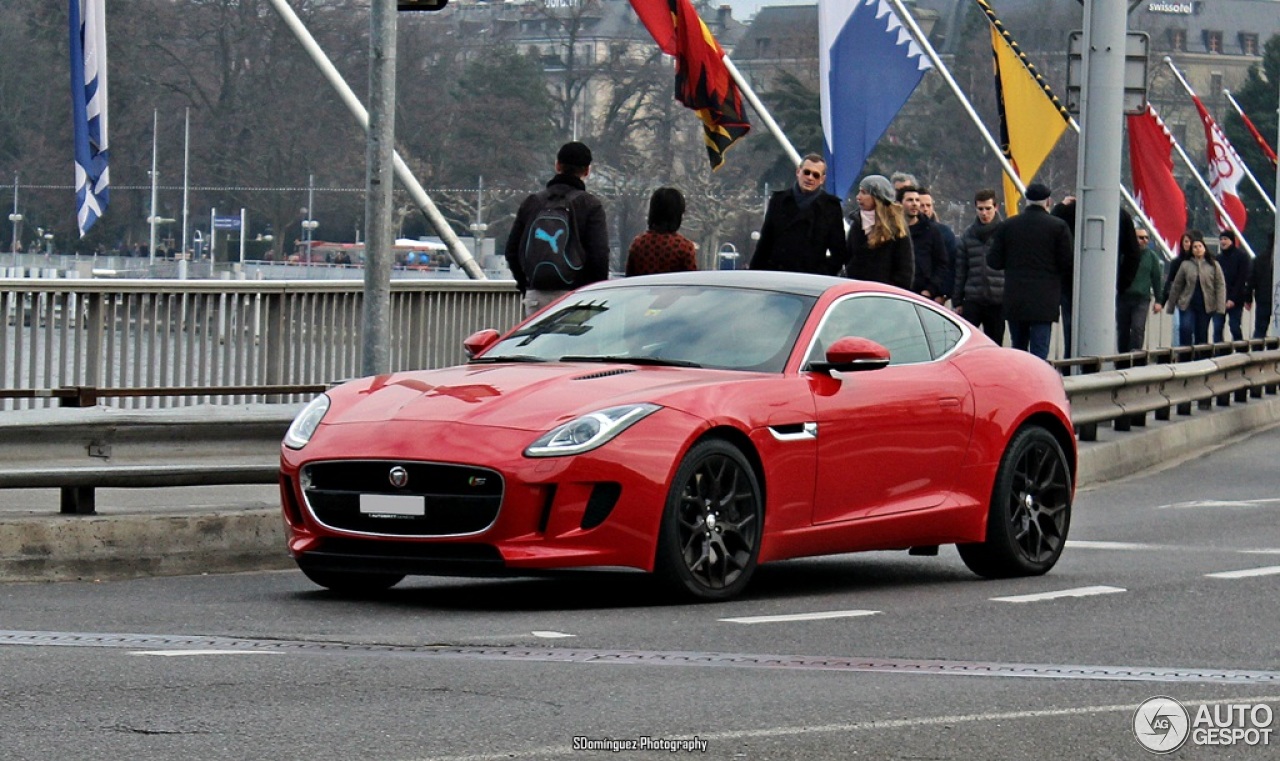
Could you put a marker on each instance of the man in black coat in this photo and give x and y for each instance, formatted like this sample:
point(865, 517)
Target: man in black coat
point(1034, 250)
point(803, 228)
point(1236, 265)
point(928, 246)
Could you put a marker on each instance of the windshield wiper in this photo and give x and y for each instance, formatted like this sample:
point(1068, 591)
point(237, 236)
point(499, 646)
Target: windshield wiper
point(627, 360)
point(508, 358)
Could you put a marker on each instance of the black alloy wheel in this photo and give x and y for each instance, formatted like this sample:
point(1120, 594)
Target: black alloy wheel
point(710, 535)
point(1030, 510)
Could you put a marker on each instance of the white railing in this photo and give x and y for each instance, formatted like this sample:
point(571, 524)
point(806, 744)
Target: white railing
point(209, 333)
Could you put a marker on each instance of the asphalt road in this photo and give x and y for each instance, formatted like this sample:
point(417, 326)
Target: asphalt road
point(1167, 588)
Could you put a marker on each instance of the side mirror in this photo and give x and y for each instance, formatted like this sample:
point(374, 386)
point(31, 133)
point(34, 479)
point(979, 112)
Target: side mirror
point(479, 341)
point(851, 354)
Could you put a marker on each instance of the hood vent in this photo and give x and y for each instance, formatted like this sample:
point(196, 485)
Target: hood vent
point(606, 373)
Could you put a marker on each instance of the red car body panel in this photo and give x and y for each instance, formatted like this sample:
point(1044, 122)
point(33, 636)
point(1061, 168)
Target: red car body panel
point(906, 456)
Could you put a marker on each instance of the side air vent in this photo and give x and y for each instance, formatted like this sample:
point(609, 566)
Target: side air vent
point(606, 373)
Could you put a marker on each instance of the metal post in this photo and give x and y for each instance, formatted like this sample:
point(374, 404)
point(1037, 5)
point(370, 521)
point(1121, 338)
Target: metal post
point(244, 233)
point(186, 171)
point(309, 223)
point(16, 219)
point(1275, 249)
point(1097, 222)
point(213, 236)
point(376, 308)
point(151, 248)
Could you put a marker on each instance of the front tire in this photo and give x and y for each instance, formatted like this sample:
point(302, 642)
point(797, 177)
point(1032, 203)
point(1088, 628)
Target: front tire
point(1030, 510)
point(709, 540)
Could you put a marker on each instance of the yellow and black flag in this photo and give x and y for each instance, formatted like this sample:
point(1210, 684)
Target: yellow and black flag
point(1032, 119)
point(703, 82)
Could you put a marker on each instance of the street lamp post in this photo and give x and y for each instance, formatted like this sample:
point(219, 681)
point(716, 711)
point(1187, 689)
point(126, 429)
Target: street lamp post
point(48, 244)
point(15, 218)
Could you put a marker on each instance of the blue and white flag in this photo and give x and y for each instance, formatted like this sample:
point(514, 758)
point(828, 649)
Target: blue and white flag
point(868, 68)
point(89, 108)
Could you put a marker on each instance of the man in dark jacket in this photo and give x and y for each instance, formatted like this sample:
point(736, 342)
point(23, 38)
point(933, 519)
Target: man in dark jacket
point(803, 228)
point(1034, 250)
point(1235, 265)
point(573, 164)
point(1260, 289)
point(929, 247)
point(979, 289)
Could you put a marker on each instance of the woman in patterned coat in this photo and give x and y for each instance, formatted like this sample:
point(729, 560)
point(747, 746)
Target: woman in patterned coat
point(661, 248)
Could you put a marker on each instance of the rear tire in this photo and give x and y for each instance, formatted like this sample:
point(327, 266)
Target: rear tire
point(352, 583)
point(709, 540)
point(1030, 510)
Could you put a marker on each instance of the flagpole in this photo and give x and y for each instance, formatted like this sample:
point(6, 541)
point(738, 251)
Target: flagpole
point(1182, 80)
point(1245, 118)
point(1208, 191)
point(905, 16)
point(151, 248)
point(750, 95)
point(457, 251)
point(186, 170)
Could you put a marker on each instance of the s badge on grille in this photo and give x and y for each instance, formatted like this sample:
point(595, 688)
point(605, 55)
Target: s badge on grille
point(398, 477)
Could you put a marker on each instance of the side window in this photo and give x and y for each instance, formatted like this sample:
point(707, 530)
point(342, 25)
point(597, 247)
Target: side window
point(941, 333)
point(892, 323)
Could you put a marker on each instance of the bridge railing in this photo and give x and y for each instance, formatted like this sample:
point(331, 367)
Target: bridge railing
point(138, 334)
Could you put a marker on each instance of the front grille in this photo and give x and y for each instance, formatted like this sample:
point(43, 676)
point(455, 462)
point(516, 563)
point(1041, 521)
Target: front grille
point(453, 499)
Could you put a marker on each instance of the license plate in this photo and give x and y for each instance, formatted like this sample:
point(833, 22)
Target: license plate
point(392, 504)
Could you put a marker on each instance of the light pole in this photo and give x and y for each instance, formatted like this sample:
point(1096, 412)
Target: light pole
point(309, 225)
point(15, 218)
point(48, 244)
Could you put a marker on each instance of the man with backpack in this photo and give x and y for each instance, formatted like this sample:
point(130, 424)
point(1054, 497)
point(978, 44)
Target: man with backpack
point(560, 240)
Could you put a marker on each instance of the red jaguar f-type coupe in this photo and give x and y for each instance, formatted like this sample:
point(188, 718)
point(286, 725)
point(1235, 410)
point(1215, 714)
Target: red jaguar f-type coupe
point(693, 426)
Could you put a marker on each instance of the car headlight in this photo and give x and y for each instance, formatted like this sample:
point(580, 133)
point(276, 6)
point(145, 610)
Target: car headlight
point(305, 424)
point(589, 431)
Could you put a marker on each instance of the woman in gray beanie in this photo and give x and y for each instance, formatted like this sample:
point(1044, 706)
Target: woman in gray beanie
point(879, 244)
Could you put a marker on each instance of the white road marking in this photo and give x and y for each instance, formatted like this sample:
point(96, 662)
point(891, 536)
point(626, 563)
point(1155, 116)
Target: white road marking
point(1084, 544)
point(174, 653)
point(558, 751)
point(1270, 570)
point(551, 635)
point(1265, 551)
point(1077, 592)
point(1270, 502)
point(818, 616)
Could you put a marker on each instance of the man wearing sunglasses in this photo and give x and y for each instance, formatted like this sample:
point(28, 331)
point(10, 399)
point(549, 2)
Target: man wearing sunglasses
point(803, 229)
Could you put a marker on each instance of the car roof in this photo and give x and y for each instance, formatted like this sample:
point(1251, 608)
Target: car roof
point(799, 283)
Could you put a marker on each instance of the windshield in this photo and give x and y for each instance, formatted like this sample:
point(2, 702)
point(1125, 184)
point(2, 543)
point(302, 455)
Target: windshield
point(703, 326)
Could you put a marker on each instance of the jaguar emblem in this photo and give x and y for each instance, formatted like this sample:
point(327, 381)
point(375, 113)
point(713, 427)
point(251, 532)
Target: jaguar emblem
point(398, 477)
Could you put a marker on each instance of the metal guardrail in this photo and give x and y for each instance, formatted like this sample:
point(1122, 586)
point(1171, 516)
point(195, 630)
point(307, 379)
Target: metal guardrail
point(1125, 396)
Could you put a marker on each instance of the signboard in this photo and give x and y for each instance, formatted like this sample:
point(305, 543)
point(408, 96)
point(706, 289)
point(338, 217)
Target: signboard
point(226, 223)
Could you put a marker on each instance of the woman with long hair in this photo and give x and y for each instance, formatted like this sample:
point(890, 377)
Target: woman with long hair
point(879, 243)
point(1199, 290)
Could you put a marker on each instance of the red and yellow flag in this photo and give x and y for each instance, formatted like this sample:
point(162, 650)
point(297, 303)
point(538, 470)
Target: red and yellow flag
point(703, 82)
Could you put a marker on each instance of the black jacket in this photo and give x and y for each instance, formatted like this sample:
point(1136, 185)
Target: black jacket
point(976, 282)
point(1259, 290)
point(931, 258)
point(1034, 250)
point(793, 239)
point(589, 221)
point(1235, 265)
point(1128, 254)
point(891, 262)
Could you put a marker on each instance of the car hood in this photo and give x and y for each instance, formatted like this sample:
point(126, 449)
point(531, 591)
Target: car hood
point(519, 396)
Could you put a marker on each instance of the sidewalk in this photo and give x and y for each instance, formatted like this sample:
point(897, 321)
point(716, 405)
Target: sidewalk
point(225, 529)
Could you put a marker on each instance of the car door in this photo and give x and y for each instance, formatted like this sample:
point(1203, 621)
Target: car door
point(890, 439)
